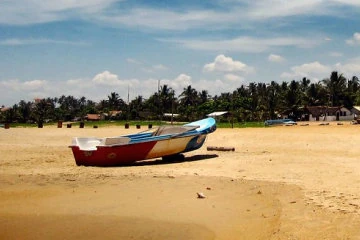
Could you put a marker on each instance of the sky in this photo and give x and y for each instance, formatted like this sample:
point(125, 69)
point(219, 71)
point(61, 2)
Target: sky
point(91, 48)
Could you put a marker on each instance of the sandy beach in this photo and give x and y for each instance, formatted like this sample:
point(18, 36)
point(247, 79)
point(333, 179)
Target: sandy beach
point(284, 182)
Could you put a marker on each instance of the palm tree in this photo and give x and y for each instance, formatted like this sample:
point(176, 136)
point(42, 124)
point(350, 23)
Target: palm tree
point(352, 92)
point(242, 103)
point(82, 107)
point(24, 111)
point(188, 102)
point(136, 106)
point(262, 108)
point(42, 110)
point(152, 105)
point(204, 105)
point(253, 102)
point(224, 102)
point(69, 107)
point(102, 106)
point(335, 86)
point(11, 114)
point(272, 99)
point(166, 98)
point(203, 96)
point(304, 86)
point(293, 99)
point(188, 96)
point(113, 101)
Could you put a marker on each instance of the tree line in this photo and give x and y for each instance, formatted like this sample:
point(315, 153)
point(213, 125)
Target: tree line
point(254, 102)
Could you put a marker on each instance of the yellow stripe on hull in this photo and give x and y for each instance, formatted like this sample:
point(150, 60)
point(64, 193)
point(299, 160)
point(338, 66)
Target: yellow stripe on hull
point(169, 147)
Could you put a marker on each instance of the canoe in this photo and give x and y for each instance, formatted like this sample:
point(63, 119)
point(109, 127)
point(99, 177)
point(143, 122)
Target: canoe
point(164, 141)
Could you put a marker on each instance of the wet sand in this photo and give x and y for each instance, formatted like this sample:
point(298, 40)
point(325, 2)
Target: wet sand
point(298, 182)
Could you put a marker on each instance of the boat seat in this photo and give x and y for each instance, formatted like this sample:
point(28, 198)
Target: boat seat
point(91, 144)
point(86, 144)
point(116, 141)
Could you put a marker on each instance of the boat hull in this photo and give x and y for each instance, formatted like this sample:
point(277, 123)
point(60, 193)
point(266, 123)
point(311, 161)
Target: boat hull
point(126, 154)
point(136, 147)
point(113, 155)
point(176, 145)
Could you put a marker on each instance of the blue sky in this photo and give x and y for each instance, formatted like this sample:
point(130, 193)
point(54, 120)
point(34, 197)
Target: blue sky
point(94, 47)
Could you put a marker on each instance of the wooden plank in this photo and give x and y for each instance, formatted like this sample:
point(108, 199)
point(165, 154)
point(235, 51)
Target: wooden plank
point(213, 148)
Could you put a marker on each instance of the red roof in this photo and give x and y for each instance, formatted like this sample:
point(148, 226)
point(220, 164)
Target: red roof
point(4, 109)
point(93, 116)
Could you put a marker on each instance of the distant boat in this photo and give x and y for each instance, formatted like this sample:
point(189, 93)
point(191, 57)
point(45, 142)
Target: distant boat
point(286, 121)
point(164, 141)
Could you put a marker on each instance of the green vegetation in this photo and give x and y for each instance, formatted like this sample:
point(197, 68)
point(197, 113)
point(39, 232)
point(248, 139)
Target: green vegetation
point(248, 106)
point(132, 124)
point(240, 125)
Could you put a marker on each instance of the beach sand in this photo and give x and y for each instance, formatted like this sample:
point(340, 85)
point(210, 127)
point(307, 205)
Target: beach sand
point(284, 182)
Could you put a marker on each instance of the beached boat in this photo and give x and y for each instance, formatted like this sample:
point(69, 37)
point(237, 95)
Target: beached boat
point(286, 122)
point(164, 141)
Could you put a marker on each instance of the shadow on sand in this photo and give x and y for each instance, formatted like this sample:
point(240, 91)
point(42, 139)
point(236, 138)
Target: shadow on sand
point(158, 161)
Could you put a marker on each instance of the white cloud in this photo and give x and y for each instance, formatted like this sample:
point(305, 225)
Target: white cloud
point(72, 82)
point(96, 89)
point(178, 83)
point(227, 64)
point(353, 3)
point(160, 67)
point(155, 68)
point(16, 85)
point(12, 84)
point(335, 54)
point(314, 67)
point(107, 82)
point(219, 85)
point(355, 40)
point(246, 44)
point(229, 14)
point(275, 58)
point(184, 79)
point(17, 42)
point(25, 12)
point(233, 77)
point(350, 68)
point(313, 70)
point(234, 14)
point(227, 84)
point(167, 19)
point(34, 84)
point(15, 90)
point(263, 9)
point(108, 78)
point(134, 61)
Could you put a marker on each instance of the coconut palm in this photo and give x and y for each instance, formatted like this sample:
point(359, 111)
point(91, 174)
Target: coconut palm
point(188, 102)
point(24, 111)
point(335, 86)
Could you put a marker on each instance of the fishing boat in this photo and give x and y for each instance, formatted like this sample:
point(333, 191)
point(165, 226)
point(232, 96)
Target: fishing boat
point(286, 122)
point(164, 141)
